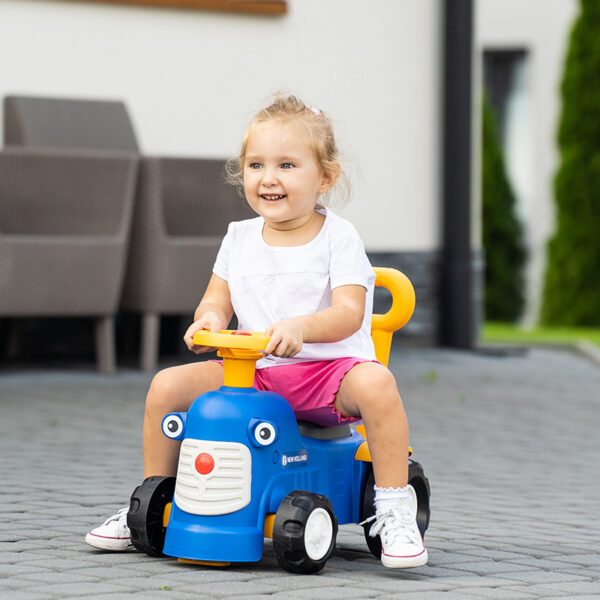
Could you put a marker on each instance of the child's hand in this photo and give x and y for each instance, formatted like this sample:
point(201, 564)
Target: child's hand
point(286, 339)
point(208, 321)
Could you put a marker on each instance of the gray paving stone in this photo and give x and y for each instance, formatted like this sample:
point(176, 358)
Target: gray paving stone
point(540, 576)
point(399, 582)
point(500, 593)
point(576, 588)
point(535, 589)
point(592, 572)
point(491, 567)
point(505, 443)
point(583, 560)
point(162, 594)
point(67, 590)
point(470, 581)
point(325, 593)
point(28, 595)
point(584, 597)
point(428, 595)
point(55, 577)
point(12, 569)
point(547, 564)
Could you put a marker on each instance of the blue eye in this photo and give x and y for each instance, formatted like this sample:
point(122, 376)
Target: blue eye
point(287, 166)
point(254, 165)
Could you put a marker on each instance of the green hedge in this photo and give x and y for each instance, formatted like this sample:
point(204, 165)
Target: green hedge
point(572, 283)
point(502, 232)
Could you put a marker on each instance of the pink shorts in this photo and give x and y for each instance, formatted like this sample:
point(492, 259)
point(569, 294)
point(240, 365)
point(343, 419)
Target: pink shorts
point(310, 387)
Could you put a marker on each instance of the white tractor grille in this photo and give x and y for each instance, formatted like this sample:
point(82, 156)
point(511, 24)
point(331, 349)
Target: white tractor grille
point(225, 489)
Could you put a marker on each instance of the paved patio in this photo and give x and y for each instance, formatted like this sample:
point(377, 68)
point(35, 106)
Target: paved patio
point(510, 445)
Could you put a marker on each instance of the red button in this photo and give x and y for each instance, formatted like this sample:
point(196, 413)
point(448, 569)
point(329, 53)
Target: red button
point(204, 464)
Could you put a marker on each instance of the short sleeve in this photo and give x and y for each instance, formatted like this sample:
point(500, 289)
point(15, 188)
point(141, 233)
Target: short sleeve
point(221, 267)
point(348, 262)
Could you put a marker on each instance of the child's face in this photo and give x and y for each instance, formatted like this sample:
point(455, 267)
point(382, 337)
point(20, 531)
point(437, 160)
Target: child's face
point(282, 179)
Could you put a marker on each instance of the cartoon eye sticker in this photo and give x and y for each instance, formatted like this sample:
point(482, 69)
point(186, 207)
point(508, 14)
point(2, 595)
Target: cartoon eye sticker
point(173, 426)
point(262, 433)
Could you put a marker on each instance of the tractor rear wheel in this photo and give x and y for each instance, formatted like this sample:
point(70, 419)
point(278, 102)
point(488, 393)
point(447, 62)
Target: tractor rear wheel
point(420, 483)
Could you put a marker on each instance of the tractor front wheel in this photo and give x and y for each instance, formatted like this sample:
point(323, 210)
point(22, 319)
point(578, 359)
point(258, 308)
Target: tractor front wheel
point(304, 532)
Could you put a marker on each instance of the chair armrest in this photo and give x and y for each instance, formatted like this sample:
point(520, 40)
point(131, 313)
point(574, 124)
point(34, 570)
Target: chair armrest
point(50, 191)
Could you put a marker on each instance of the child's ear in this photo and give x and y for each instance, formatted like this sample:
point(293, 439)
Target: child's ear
point(330, 177)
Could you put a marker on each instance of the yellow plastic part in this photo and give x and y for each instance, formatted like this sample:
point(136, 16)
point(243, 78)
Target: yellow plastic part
point(361, 429)
point(239, 352)
point(228, 338)
point(363, 453)
point(269, 522)
point(204, 563)
point(167, 513)
point(238, 372)
point(403, 305)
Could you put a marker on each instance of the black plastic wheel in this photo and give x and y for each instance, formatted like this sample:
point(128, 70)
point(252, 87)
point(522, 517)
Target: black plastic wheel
point(145, 516)
point(420, 483)
point(304, 532)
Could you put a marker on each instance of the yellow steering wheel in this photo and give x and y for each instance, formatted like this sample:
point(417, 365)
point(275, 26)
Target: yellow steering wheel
point(231, 339)
point(240, 351)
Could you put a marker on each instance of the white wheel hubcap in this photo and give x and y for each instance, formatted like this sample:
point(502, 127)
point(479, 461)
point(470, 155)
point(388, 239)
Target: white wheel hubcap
point(318, 533)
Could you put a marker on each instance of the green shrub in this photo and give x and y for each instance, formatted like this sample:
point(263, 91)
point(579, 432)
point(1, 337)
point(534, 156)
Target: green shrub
point(502, 232)
point(572, 282)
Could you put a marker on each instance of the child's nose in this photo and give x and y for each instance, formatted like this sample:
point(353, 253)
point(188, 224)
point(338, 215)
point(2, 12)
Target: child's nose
point(269, 176)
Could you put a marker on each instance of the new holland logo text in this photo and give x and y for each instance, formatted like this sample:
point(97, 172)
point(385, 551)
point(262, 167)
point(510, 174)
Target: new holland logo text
point(295, 458)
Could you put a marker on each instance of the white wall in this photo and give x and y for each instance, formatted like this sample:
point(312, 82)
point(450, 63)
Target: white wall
point(193, 79)
point(543, 28)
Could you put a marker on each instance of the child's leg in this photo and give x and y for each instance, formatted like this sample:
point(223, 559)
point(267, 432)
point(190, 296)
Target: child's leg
point(369, 391)
point(173, 390)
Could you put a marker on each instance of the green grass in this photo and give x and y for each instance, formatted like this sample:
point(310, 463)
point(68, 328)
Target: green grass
point(507, 332)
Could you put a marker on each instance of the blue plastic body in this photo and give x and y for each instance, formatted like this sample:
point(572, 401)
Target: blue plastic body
point(286, 461)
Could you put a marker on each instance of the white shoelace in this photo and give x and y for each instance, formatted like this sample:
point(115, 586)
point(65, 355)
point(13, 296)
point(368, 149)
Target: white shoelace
point(120, 516)
point(393, 523)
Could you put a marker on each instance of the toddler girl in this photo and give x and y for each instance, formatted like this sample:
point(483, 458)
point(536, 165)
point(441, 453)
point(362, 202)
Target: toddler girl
point(300, 273)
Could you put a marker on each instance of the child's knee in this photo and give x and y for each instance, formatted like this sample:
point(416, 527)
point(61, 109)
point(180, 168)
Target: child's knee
point(376, 379)
point(161, 392)
point(376, 384)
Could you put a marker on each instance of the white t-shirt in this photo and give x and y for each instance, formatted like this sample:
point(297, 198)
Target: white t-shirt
point(271, 283)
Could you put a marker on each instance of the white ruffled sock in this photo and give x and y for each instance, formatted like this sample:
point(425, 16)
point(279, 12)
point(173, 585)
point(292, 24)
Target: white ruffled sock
point(387, 498)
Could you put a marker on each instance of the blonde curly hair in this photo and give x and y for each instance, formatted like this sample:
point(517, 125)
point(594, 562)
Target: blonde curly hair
point(315, 127)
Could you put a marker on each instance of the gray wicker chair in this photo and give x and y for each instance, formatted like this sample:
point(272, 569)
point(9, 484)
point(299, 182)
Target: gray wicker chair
point(64, 223)
point(181, 213)
point(182, 210)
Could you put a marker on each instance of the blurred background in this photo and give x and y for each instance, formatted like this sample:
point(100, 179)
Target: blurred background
point(117, 117)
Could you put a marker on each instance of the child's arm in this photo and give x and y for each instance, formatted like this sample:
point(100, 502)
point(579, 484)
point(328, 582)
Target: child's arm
point(213, 313)
point(337, 322)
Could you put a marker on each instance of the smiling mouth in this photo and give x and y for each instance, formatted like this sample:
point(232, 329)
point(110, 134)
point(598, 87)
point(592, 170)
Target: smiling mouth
point(272, 197)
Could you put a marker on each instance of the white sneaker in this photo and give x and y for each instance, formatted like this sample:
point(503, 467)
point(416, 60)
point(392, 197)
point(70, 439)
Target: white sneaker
point(113, 534)
point(401, 541)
